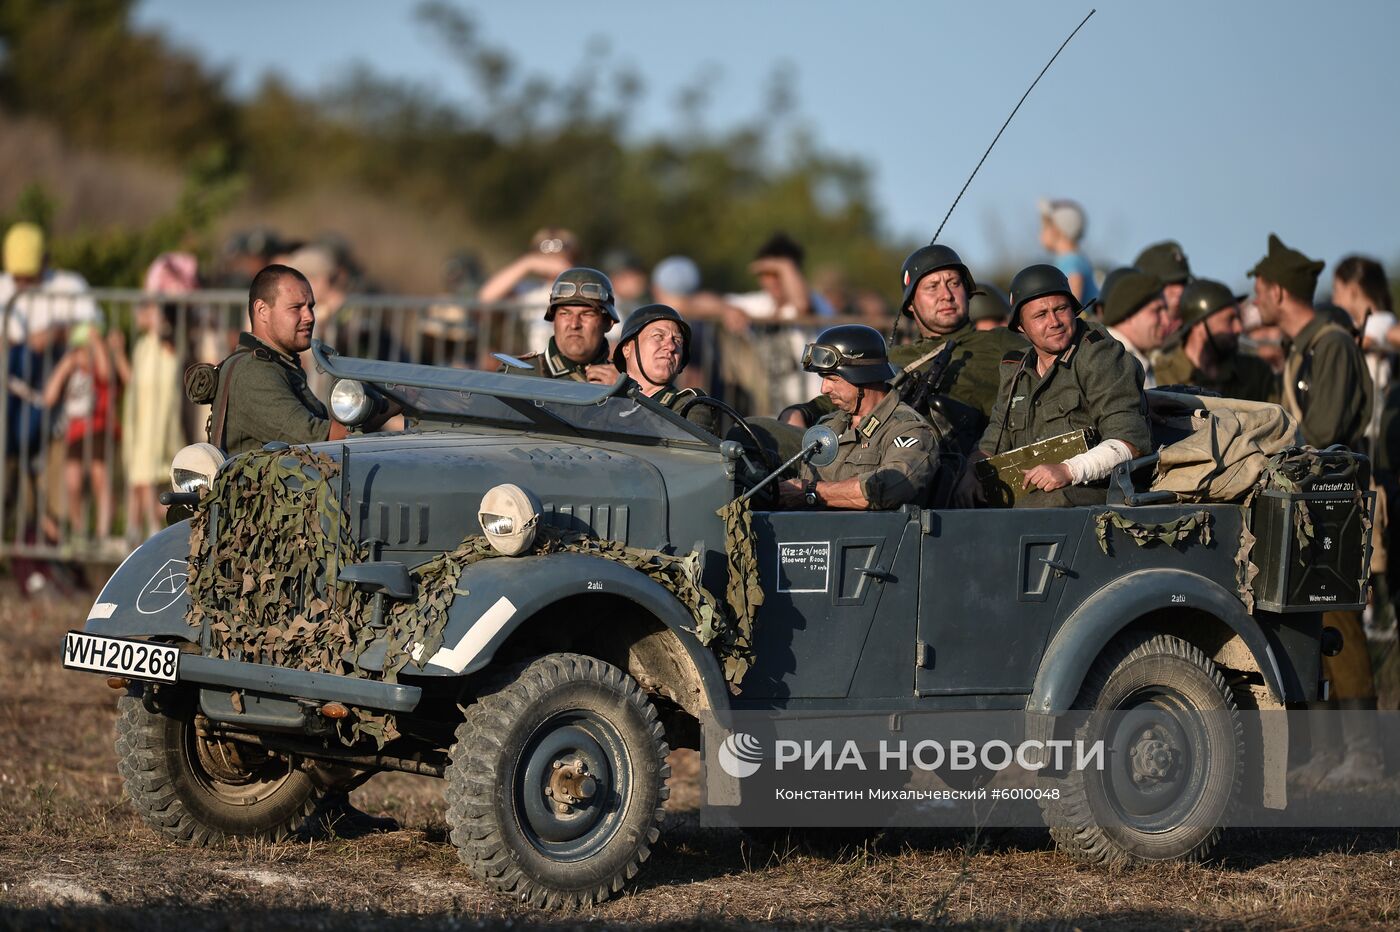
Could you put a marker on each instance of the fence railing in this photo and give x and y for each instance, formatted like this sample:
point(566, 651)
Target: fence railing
point(93, 414)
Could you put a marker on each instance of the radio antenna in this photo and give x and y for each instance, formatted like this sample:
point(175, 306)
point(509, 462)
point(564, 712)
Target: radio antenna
point(1006, 124)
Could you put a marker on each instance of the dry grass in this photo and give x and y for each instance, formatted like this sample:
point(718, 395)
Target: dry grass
point(74, 855)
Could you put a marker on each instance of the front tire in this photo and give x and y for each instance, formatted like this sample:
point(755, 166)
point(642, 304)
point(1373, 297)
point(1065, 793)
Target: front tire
point(1174, 757)
point(201, 791)
point(557, 780)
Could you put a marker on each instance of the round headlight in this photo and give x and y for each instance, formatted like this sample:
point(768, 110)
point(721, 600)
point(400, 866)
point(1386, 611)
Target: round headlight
point(351, 403)
point(509, 517)
point(194, 467)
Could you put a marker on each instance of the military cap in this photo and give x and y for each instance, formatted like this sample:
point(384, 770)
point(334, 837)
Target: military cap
point(988, 303)
point(1126, 290)
point(1166, 261)
point(1290, 269)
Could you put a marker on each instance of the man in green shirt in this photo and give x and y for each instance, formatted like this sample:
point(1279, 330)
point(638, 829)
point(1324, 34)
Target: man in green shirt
point(262, 393)
point(1326, 385)
point(937, 289)
point(1205, 352)
point(1073, 377)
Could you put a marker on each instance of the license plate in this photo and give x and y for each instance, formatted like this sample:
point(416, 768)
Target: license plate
point(141, 660)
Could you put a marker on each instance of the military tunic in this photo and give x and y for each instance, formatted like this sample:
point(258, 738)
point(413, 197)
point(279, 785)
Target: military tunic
point(268, 399)
point(552, 364)
point(892, 453)
point(972, 374)
point(1093, 384)
point(1240, 375)
point(1326, 385)
point(701, 415)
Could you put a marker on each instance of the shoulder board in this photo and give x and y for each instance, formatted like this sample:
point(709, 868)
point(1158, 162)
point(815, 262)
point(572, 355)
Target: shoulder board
point(688, 393)
point(264, 354)
point(1094, 336)
point(529, 356)
point(1013, 356)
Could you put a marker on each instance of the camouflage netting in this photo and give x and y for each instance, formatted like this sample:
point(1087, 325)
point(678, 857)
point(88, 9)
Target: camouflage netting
point(282, 532)
point(1172, 532)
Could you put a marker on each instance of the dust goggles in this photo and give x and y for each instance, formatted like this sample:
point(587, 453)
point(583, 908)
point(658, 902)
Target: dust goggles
point(818, 357)
point(590, 290)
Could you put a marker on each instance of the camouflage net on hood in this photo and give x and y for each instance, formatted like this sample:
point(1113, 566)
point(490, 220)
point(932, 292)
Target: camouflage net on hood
point(281, 533)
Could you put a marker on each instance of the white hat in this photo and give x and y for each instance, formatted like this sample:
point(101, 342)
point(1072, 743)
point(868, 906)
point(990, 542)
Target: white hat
point(1067, 216)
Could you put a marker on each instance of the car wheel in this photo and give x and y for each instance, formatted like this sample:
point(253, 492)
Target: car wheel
point(200, 790)
point(556, 782)
point(1173, 757)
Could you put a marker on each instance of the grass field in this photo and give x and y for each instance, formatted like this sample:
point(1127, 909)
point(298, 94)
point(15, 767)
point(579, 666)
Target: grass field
point(74, 855)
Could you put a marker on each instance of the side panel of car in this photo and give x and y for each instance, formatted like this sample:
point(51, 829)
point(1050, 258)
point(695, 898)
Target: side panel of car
point(826, 577)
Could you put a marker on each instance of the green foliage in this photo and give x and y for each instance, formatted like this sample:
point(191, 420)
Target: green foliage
point(521, 152)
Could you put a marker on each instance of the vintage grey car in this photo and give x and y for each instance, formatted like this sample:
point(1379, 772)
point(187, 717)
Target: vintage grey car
point(559, 681)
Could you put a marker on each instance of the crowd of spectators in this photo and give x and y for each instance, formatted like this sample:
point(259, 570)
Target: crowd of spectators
point(94, 407)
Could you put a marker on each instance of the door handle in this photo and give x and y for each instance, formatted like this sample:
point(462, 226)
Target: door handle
point(875, 573)
point(1059, 569)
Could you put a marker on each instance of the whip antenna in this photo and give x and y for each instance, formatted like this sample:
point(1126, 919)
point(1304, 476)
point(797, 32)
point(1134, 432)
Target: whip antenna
point(1008, 123)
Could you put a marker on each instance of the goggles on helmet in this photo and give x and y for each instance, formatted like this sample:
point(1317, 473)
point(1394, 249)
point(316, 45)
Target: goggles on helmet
point(591, 290)
point(818, 357)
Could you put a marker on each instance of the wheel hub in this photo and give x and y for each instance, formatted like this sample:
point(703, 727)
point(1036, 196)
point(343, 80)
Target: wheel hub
point(570, 784)
point(1152, 757)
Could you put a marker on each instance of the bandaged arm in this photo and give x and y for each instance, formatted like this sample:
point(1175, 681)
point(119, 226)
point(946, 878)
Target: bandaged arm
point(1093, 465)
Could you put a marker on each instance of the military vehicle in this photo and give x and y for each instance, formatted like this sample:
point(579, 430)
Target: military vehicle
point(546, 681)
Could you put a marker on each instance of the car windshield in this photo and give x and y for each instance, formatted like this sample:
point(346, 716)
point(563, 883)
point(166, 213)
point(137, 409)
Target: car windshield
point(531, 403)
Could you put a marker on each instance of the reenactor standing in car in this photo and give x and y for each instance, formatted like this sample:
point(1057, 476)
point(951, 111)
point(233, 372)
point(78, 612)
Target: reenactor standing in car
point(1205, 352)
point(261, 393)
point(1074, 377)
point(582, 310)
point(654, 348)
point(937, 289)
point(886, 457)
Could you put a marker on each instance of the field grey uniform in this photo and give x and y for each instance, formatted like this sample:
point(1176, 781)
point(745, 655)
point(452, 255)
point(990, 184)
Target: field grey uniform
point(268, 399)
point(891, 453)
point(1093, 384)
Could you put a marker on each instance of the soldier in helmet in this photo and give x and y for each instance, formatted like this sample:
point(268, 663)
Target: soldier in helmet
point(1205, 352)
point(581, 309)
point(937, 289)
point(653, 349)
point(1167, 262)
point(988, 309)
point(885, 457)
point(1073, 377)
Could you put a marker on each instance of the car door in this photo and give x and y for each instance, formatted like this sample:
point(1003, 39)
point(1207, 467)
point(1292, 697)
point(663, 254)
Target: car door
point(826, 576)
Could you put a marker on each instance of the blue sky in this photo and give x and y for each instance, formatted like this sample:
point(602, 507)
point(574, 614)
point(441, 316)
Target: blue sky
point(1210, 122)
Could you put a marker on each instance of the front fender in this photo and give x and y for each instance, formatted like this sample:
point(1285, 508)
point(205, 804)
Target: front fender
point(1085, 633)
point(502, 594)
point(147, 595)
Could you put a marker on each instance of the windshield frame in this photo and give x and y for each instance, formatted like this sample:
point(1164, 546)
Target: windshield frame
point(529, 396)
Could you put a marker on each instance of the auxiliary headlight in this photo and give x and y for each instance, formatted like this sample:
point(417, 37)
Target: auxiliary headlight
point(194, 467)
point(509, 517)
point(352, 403)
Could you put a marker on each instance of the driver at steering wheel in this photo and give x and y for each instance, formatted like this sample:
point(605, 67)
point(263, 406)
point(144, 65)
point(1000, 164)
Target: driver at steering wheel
point(886, 457)
point(653, 349)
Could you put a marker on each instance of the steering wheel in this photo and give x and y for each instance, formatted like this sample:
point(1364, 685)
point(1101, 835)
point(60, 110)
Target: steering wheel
point(769, 465)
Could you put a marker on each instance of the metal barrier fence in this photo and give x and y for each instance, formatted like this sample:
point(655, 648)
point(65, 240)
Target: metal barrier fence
point(93, 414)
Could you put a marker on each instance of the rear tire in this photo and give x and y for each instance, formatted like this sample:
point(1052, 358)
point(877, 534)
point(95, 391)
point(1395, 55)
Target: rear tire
point(1174, 757)
point(201, 792)
point(557, 781)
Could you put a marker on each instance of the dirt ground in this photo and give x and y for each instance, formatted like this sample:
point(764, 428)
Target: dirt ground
point(73, 854)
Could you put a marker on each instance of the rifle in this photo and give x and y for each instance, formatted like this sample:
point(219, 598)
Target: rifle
point(916, 384)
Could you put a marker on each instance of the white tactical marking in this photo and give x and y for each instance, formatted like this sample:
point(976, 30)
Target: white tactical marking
point(491, 621)
point(102, 610)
